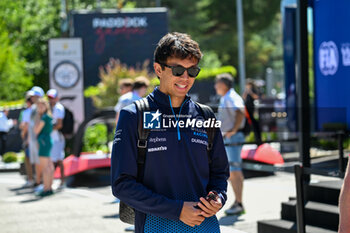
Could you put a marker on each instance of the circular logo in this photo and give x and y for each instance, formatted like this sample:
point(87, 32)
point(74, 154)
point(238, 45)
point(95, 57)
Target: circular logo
point(328, 58)
point(66, 74)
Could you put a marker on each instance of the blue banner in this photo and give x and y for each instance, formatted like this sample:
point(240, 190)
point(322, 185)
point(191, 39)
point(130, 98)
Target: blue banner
point(332, 61)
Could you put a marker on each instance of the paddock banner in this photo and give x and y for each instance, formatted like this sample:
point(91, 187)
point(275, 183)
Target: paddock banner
point(130, 36)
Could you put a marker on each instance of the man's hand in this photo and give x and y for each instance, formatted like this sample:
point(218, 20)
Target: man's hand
point(190, 215)
point(229, 134)
point(209, 208)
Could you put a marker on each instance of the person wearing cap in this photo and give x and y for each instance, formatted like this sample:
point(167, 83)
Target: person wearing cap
point(57, 151)
point(32, 137)
point(24, 122)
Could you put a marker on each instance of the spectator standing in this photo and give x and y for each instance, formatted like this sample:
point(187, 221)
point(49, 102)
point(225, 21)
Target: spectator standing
point(43, 129)
point(139, 90)
point(24, 122)
point(57, 151)
point(5, 126)
point(32, 137)
point(231, 114)
point(249, 96)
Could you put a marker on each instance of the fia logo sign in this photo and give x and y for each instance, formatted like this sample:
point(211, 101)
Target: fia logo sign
point(328, 58)
point(345, 50)
point(151, 120)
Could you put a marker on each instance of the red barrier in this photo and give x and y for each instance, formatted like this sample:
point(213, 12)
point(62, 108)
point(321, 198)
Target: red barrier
point(86, 161)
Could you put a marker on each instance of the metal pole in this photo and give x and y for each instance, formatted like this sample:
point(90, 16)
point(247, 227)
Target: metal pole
point(269, 82)
point(303, 85)
point(241, 56)
point(300, 210)
point(158, 3)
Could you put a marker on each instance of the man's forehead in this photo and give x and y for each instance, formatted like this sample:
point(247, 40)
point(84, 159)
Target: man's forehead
point(188, 60)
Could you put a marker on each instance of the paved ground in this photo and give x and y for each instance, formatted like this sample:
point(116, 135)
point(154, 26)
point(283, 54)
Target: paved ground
point(90, 207)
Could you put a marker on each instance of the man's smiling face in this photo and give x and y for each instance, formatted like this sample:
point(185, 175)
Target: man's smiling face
point(175, 86)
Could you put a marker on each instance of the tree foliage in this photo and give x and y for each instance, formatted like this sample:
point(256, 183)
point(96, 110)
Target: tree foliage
point(214, 24)
point(30, 24)
point(13, 78)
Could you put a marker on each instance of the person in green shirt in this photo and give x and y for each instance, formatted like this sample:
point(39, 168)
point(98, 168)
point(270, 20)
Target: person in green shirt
point(43, 128)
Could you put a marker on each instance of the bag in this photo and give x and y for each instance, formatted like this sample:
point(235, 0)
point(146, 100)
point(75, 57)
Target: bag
point(127, 213)
point(67, 122)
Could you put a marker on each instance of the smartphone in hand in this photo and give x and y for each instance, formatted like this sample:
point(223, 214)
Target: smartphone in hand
point(212, 195)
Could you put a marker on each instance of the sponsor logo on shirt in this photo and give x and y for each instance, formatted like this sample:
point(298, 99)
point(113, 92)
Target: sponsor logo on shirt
point(156, 139)
point(199, 141)
point(160, 148)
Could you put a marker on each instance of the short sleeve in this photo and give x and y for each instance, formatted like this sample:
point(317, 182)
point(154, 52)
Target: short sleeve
point(26, 116)
point(58, 112)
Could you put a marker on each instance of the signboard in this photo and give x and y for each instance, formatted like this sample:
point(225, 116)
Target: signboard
point(66, 74)
point(130, 36)
point(332, 61)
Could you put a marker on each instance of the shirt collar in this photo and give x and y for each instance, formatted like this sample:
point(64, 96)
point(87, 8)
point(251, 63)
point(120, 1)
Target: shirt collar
point(163, 99)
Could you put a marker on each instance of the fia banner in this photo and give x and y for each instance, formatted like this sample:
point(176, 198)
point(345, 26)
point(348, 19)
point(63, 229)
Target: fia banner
point(332, 61)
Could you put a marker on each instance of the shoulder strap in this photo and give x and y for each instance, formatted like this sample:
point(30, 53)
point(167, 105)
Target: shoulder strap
point(208, 113)
point(142, 105)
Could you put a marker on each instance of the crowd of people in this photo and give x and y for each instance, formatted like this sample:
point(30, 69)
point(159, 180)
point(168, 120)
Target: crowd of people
point(43, 143)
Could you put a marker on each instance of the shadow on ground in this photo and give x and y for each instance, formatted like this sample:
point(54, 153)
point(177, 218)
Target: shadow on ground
point(111, 216)
point(229, 220)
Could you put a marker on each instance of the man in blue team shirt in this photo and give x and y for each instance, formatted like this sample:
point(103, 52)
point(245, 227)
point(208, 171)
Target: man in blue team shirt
point(178, 174)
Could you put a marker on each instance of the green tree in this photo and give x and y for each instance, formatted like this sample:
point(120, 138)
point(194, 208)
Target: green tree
point(31, 24)
point(14, 80)
point(213, 23)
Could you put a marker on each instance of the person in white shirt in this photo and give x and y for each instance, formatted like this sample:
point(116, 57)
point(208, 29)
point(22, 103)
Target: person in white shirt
point(24, 122)
point(5, 126)
point(139, 90)
point(57, 151)
point(231, 114)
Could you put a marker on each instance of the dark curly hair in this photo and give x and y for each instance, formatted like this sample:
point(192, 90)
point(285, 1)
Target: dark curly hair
point(178, 45)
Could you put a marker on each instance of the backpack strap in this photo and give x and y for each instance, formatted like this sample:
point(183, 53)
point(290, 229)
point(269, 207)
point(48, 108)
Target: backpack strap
point(208, 113)
point(142, 105)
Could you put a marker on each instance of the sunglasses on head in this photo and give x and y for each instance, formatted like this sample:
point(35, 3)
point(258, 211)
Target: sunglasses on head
point(179, 70)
